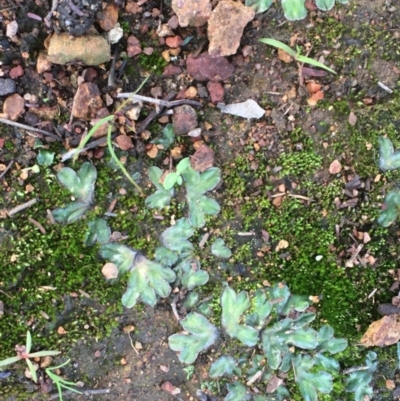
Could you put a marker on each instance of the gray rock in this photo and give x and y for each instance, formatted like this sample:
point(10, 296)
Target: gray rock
point(184, 119)
point(7, 86)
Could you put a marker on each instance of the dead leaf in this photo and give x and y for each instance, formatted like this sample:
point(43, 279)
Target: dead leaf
point(383, 332)
point(315, 97)
point(170, 388)
point(202, 159)
point(61, 331)
point(367, 238)
point(45, 361)
point(247, 109)
point(110, 270)
point(128, 329)
point(152, 152)
point(282, 244)
point(313, 87)
point(352, 119)
point(335, 167)
point(273, 384)
point(14, 106)
point(390, 385)
point(285, 57)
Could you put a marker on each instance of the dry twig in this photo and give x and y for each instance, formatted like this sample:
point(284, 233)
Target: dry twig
point(28, 128)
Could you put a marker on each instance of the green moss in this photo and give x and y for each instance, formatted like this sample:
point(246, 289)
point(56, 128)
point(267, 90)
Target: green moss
point(153, 62)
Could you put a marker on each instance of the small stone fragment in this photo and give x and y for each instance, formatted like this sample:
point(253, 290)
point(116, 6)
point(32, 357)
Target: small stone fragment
point(108, 17)
point(164, 30)
point(133, 8)
point(124, 142)
point(173, 22)
point(335, 167)
point(191, 92)
point(12, 29)
point(226, 25)
point(207, 68)
point(87, 101)
point(174, 41)
point(134, 47)
point(352, 119)
point(110, 270)
point(192, 12)
point(92, 49)
point(7, 86)
point(216, 91)
point(14, 106)
point(184, 119)
point(171, 70)
point(16, 72)
point(46, 112)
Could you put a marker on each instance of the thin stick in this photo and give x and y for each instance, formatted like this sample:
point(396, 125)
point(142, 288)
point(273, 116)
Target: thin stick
point(143, 124)
point(28, 128)
point(54, 5)
point(130, 338)
point(91, 145)
point(160, 102)
point(85, 392)
point(25, 205)
point(9, 296)
point(111, 74)
point(7, 168)
point(174, 309)
point(350, 262)
point(37, 224)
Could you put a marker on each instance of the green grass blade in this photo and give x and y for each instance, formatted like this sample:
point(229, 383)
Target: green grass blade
point(86, 139)
point(32, 370)
point(315, 63)
point(10, 361)
point(279, 45)
point(40, 354)
point(28, 345)
point(120, 165)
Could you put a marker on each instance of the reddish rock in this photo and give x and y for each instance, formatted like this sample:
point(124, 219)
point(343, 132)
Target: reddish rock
point(134, 48)
point(171, 70)
point(192, 12)
point(173, 22)
point(14, 106)
point(184, 119)
point(48, 76)
point(89, 74)
point(46, 112)
point(124, 142)
point(174, 41)
point(43, 64)
point(216, 91)
point(108, 17)
point(226, 25)
point(86, 101)
point(207, 68)
point(16, 72)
